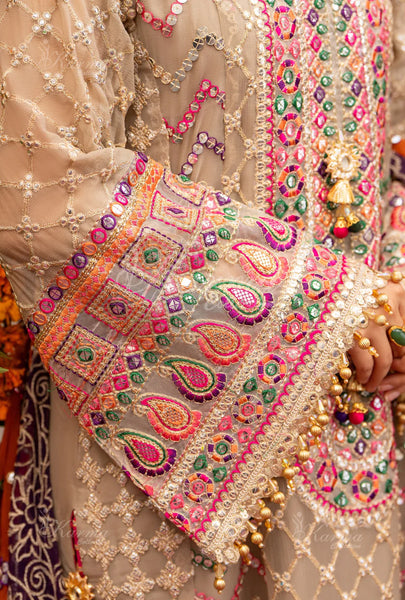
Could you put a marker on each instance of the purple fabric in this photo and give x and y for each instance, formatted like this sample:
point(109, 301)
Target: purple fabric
point(35, 571)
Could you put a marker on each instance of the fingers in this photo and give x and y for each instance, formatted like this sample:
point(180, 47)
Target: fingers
point(382, 363)
point(392, 386)
point(363, 363)
point(370, 371)
point(398, 365)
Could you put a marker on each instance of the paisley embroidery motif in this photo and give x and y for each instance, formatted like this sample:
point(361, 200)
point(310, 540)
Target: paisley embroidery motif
point(146, 454)
point(170, 418)
point(261, 264)
point(278, 234)
point(220, 343)
point(195, 380)
point(325, 257)
point(244, 303)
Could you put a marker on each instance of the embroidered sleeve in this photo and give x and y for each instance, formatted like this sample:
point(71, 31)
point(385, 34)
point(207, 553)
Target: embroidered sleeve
point(191, 337)
point(66, 80)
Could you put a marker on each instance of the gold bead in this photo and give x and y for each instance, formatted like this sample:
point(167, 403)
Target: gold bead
point(364, 343)
point(396, 276)
point(268, 525)
point(382, 299)
point(323, 419)
point(373, 352)
point(278, 498)
point(303, 455)
point(381, 320)
point(289, 472)
point(244, 551)
point(388, 309)
point(345, 373)
point(257, 538)
point(336, 389)
point(219, 584)
point(265, 513)
point(315, 430)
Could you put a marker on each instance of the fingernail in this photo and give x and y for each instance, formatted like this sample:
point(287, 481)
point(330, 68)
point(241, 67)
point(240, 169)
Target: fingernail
point(390, 396)
point(385, 387)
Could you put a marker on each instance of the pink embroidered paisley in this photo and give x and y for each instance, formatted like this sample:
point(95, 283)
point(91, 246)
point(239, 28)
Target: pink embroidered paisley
point(146, 454)
point(221, 343)
point(243, 302)
point(170, 418)
point(195, 380)
point(261, 264)
point(278, 234)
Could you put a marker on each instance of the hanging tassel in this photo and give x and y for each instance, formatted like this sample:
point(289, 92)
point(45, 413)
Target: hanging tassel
point(341, 193)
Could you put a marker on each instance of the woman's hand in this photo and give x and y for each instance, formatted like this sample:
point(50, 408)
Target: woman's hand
point(394, 384)
point(372, 372)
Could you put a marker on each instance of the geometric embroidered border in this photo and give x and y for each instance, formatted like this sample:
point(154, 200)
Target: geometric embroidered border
point(85, 354)
point(72, 395)
point(187, 190)
point(172, 213)
point(151, 257)
point(118, 307)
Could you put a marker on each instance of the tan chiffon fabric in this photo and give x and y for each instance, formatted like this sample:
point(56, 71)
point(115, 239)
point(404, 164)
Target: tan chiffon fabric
point(60, 183)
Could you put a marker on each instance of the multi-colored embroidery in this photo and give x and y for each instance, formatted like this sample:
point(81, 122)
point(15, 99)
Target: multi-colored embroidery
point(152, 347)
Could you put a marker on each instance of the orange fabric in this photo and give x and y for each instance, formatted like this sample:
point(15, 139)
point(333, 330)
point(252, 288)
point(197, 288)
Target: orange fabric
point(399, 148)
point(8, 450)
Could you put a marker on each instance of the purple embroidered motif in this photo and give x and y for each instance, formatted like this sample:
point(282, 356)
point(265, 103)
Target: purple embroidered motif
point(108, 222)
point(55, 293)
point(134, 361)
point(210, 238)
point(79, 260)
point(222, 198)
point(174, 304)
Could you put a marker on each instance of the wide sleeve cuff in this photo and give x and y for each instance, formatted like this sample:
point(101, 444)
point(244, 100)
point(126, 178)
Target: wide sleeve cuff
point(194, 340)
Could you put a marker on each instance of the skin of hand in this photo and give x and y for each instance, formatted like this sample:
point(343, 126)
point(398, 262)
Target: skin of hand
point(372, 372)
point(393, 385)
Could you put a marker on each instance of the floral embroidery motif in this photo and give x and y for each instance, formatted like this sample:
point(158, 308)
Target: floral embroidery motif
point(315, 286)
point(221, 343)
point(171, 418)
point(198, 487)
point(272, 369)
point(247, 409)
point(146, 454)
point(294, 328)
point(365, 486)
point(222, 448)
